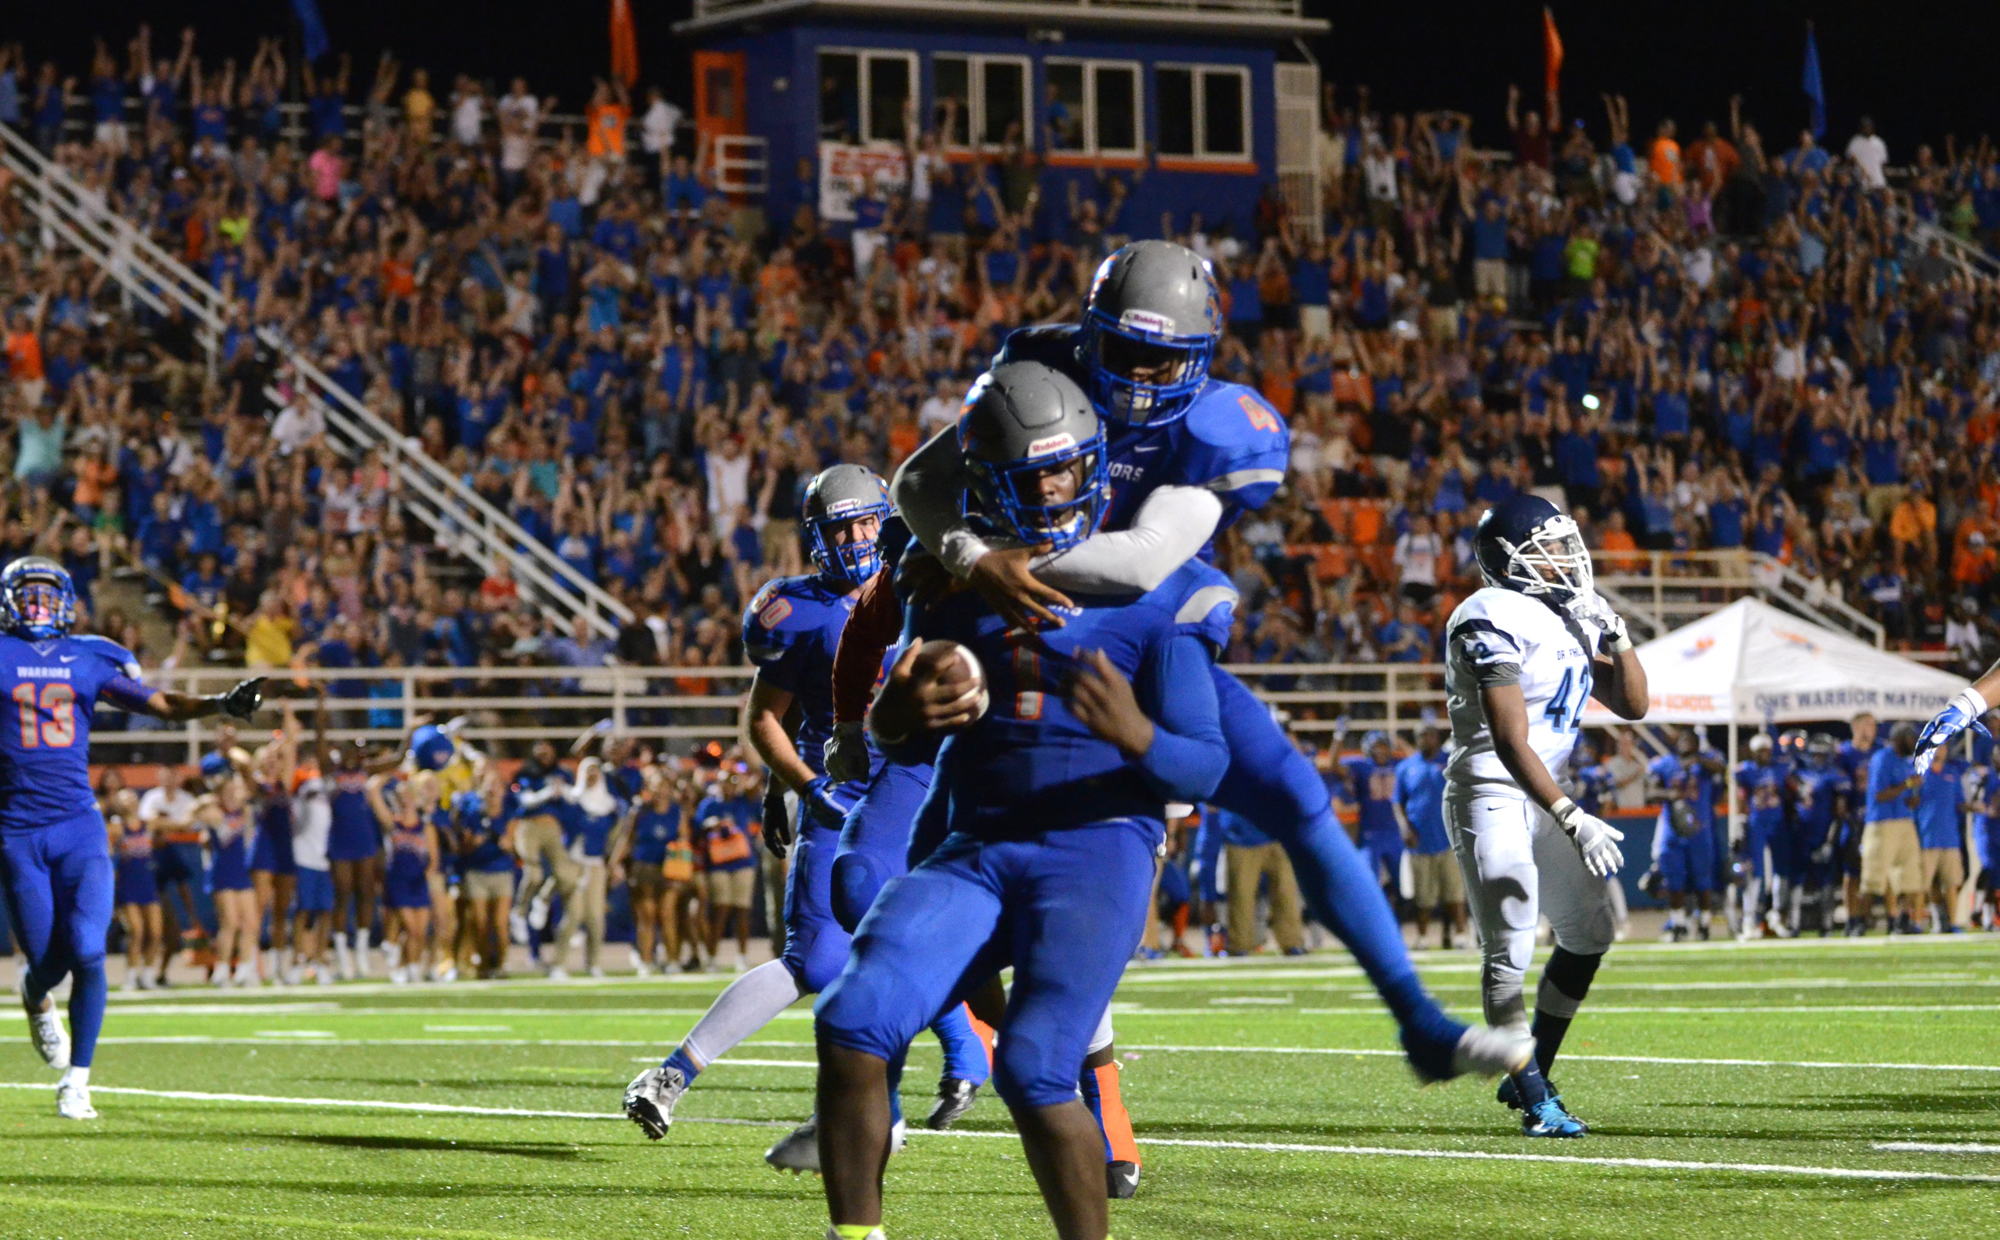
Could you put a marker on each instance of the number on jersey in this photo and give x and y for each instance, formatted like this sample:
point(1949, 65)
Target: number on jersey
point(1565, 712)
point(48, 714)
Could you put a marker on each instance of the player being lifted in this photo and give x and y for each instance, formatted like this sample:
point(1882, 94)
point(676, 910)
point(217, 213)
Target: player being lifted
point(54, 855)
point(1522, 656)
point(790, 631)
point(1055, 808)
point(1187, 456)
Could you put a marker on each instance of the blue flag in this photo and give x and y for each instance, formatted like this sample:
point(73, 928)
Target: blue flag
point(1814, 86)
point(312, 30)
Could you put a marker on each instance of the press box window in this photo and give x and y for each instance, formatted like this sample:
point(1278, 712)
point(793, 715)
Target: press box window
point(1204, 111)
point(1092, 106)
point(863, 95)
point(992, 94)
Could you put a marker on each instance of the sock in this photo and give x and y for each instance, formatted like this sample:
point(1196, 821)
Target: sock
point(78, 1074)
point(751, 1002)
point(1101, 1093)
point(1753, 897)
point(964, 1054)
point(1180, 926)
point(1565, 981)
point(88, 989)
point(1532, 1086)
point(859, 1231)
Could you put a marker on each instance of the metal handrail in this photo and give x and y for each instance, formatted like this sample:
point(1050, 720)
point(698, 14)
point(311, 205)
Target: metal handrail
point(120, 245)
point(1733, 572)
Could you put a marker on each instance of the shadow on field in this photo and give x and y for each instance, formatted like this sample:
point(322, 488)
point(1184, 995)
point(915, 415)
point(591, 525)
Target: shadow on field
point(562, 1151)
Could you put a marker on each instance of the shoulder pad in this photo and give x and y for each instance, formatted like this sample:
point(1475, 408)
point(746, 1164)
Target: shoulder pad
point(111, 652)
point(1203, 602)
point(1235, 443)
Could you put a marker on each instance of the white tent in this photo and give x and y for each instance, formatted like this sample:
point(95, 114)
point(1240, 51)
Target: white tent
point(1753, 665)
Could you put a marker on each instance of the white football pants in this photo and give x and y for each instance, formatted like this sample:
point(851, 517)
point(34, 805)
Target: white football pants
point(1520, 867)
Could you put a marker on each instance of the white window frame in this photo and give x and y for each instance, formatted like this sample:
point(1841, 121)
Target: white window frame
point(1090, 66)
point(975, 97)
point(864, 56)
point(1197, 72)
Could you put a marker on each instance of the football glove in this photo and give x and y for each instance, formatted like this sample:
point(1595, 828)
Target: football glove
point(777, 821)
point(242, 701)
point(823, 801)
point(1596, 609)
point(1595, 838)
point(846, 752)
point(1960, 713)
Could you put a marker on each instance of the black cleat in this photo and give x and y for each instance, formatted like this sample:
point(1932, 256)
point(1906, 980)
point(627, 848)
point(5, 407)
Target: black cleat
point(955, 1097)
point(1121, 1180)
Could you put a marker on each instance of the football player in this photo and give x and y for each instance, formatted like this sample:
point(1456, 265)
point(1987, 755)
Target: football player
point(55, 857)
point(1187, 455)
point(1768, 784)
point(1056, 800)
point(1522, 657)
point(790, 631)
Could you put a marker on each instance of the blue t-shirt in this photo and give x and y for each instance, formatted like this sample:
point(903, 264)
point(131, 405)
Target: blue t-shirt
point(484, 831)
point(1886, 769)
point(1420, 791)
point(1940, 808)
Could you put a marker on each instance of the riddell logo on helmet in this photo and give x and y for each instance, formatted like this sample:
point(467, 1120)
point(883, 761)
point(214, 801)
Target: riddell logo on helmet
point(1147, 321)
point(1054, 443)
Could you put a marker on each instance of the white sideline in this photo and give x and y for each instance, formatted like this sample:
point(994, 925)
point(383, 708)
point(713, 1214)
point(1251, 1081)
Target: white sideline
point(1935, 1147)
point(319, 1040)
point(1276, 1147)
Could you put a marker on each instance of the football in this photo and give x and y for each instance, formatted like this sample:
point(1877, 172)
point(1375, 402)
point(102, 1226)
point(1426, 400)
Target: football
point(939, 654)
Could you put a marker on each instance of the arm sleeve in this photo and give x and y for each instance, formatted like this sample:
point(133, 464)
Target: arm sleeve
point(1188, 755)
point(1493, 657)
point(1170, 528)
point(126, 693)
point(857, 662)
point(926, 492)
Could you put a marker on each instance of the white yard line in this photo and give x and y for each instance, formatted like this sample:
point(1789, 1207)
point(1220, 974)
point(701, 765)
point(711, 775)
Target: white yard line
point(1275, 1147)
point(1935, 1147)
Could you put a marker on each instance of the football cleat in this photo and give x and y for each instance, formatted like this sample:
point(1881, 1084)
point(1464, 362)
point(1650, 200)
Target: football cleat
point(1121, 1180)
point(798, 1150)
point(73, 1102)
point(650, 1098)
point(45, 1029)
point(1487, 1050)
point(955, 1097)
point(1551, 1119)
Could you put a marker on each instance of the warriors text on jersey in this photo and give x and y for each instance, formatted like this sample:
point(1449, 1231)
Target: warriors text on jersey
point(52, 689)
point(1501, 637)
point(1231, 440)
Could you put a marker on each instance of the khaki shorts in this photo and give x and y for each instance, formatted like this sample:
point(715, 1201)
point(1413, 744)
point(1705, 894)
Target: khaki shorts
point(1891, 861)
point(648, 880)
point(1943, 871)
point(488, 884)
point(731, 888)
point(1436, 879)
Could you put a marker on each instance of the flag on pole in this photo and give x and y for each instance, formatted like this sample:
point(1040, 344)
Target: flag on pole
point(624, 43)
point(312, 29)
point(1815, 87)
point(1552, 49)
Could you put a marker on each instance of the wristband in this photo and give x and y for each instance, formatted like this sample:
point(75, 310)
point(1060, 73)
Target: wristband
point(1973, 701)
point(1561, 810)
point(1621, 643)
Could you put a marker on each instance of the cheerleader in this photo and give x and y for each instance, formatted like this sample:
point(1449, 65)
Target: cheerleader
point(413, 854)
point(485, 847)
point(138, 892)
point(657, 852)
point(225, 817)
point(273, 868)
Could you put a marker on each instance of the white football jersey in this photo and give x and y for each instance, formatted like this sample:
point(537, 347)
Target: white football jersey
point(1506, 635)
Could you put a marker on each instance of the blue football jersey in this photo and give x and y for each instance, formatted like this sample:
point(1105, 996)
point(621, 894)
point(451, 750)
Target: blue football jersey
point(790, 632)
point(52, 689)
point(1763, 787)
point(1231, 440)
point(1029, 765)
point(1374, 784)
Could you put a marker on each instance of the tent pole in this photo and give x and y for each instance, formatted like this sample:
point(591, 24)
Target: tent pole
point(1729, 783)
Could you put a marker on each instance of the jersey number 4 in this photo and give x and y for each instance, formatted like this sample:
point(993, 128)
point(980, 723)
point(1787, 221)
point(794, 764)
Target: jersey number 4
point(1565, 710)
point(49, 722)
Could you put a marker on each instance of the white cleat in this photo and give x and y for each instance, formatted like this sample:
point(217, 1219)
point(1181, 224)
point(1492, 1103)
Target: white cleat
point(1487, 1050)
point(45, 1029)
point(650, 1099)
point(798, 1150)
point(558, 974)
point(73, 1102)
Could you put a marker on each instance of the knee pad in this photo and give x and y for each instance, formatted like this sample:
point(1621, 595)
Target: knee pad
point(1025, 1073)
point(1565, 981)
point(857, 880)
point(1103, 1035)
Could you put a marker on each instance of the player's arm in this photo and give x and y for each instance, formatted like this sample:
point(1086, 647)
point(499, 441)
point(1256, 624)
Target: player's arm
point(1963, 711)
point(1175, 739)
point(870, 630)
point(1619, 681)
point(241, 702)
point(772, 739)
point(1170, 528)
point(1408, 832)
point(1507, 719)
point(378, 804)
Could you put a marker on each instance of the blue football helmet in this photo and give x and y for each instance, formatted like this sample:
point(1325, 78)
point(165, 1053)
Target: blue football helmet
point(1530, 545)
point(1153, 310)
point(1021, 422)
point(836, 496)
point(37, 598)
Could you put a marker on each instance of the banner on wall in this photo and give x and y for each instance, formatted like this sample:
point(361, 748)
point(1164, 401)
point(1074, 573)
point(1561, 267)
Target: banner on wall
point(845, 171)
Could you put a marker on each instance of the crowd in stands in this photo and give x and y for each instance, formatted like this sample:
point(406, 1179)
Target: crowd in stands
point(1728, 344)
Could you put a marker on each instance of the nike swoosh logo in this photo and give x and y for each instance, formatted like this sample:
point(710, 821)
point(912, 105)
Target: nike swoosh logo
point(69, 658)
point(1154, 448)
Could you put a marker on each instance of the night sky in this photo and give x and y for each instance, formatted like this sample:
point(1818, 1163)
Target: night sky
point(1919, 76)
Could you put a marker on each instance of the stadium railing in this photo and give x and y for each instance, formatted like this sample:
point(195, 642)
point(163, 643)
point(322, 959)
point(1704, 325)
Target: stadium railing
point(1663, 590)
point(438, 497)
point(1326, 704)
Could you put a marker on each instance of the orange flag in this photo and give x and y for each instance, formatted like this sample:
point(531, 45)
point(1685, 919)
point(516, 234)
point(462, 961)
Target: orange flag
point(1552, 48)
point(624, 43)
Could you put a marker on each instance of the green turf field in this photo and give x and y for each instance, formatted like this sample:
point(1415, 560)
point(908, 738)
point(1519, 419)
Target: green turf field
point(1735, 1091)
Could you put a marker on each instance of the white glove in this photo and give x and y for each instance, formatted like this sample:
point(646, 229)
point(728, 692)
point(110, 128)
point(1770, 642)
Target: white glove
point(1595, 838)
point(1596, 609)
point(846, 752)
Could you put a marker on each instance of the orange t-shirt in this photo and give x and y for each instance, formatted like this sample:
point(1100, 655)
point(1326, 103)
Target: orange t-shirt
point(92, 476)
point(24, 356)
point(607, 130)
point(1622, 540)
point(1666, 161)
